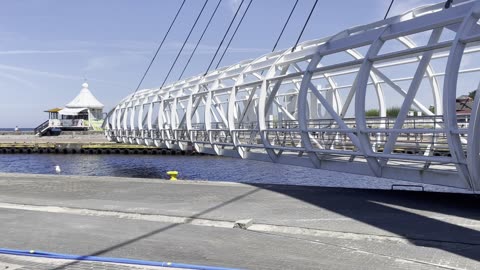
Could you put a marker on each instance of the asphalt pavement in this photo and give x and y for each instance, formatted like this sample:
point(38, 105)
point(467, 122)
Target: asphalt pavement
point(235, 225)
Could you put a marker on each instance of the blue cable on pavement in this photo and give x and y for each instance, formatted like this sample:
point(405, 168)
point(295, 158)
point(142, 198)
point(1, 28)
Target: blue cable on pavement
point(36, 253)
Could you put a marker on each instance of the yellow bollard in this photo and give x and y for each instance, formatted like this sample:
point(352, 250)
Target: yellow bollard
point(173, 175)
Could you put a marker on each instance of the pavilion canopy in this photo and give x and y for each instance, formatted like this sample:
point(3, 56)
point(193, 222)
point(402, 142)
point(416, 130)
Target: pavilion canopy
point(72, 111)
point(85, 99)
point(54, 110)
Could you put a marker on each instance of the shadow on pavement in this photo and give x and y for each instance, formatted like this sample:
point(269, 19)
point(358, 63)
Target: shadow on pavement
point(160, 230)
point(397, 212)
point(400, 213)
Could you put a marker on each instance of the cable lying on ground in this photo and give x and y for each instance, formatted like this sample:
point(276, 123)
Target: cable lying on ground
point(50, 255)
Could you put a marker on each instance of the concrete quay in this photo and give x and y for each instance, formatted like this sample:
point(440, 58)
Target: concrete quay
point(75, 143)
point(65, 137)
point(237, 225)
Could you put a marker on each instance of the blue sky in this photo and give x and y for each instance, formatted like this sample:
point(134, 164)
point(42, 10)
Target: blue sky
point(48, 46)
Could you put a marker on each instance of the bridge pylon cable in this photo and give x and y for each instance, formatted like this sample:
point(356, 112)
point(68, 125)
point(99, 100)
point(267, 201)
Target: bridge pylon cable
point(285, 26)
point(224, 36)
point(200, 39)
point(448, 3)
point(160, 46)
point(234, 33)
point(305, 25)
point(388, 10)
point(184, 43)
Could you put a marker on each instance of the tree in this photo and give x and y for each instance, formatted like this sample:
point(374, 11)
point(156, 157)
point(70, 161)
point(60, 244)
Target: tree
point(472, 94)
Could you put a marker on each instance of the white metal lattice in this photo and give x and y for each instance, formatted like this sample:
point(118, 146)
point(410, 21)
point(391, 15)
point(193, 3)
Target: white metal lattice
point(326, 105)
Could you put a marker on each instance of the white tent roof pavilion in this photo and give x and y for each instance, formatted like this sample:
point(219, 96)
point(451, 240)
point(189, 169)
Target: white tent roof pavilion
point(85, 99)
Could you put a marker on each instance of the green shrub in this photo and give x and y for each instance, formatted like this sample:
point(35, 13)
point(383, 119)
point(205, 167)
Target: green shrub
point(393, 111)
point(372, 113)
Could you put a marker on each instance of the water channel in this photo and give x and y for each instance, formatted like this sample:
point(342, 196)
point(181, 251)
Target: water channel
point(191, 168)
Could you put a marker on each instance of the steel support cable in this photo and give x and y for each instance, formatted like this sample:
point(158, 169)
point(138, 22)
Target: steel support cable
point(388, 10)
point(184, 43)
point(305, 25)
point(160, 46)
point(200, 39)
point(234, 32)
point(285, 26)
point(448, 4)
point(223, 39)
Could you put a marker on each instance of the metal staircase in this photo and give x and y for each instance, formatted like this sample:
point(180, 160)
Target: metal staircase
point(42, 128)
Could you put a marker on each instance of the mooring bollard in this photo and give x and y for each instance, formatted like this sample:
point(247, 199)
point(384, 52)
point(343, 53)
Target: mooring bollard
point(173, 175)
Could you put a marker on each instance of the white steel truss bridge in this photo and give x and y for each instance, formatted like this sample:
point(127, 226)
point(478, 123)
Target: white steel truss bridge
point(383, 99)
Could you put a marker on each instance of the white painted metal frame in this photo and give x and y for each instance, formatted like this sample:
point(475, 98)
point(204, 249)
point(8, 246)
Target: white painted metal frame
point(293, 107)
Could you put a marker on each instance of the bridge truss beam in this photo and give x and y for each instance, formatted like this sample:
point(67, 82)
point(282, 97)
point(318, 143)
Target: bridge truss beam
point(325, 105)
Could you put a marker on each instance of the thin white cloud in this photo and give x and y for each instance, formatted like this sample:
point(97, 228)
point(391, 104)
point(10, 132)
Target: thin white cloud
point(130, 48)
point(17, 79)
point(233, 5)
point(99, 63)
point(49, 74)
point(173, 47)
point(37, 72)
point(16, 52)
point(208, 49)
point(106, 44)
point(114, 61)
